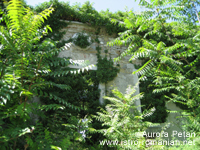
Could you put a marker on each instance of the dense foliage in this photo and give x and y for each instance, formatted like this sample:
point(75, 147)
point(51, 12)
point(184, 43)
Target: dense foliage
point(124, 120)
point(81, 40)
point(172, 60)
point(84, 90)
point(30, 69)
point(87, 14)
point(28, 60)
point(83, 13)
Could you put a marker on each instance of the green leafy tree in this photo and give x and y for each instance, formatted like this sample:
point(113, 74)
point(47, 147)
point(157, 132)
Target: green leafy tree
point(123, 120)
point(24, 66)
point(84, 90)
point(172, 59)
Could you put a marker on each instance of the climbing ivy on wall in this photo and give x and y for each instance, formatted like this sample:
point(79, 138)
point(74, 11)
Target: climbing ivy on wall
point(83, 13)
point(84, 91)
point(81, 40)
point(106, 71)
point(87, 14)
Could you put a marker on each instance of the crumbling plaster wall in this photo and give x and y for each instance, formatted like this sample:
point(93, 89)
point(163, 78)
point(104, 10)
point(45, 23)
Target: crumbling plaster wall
point(124, 77)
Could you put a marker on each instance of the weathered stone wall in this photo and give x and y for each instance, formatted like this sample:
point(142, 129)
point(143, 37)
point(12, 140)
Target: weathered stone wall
point(173, 125)
point(124, 77)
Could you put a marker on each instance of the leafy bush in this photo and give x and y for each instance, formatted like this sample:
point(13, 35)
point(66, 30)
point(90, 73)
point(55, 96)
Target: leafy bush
point(170, 51)
point(25, 64)
point(123, 120)
point(81, 40)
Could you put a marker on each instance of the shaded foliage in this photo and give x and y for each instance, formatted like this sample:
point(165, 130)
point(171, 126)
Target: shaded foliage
point(172, 58)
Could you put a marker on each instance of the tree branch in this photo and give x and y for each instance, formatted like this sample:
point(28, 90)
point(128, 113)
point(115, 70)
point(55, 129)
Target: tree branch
point(196, 12)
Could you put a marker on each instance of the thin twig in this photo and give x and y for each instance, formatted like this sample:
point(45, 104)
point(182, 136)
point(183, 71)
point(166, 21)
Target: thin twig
point(196, 12)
